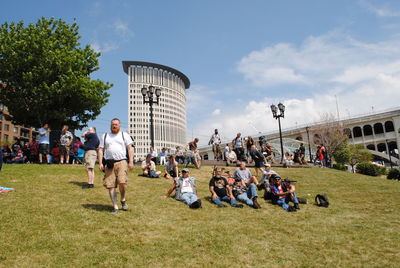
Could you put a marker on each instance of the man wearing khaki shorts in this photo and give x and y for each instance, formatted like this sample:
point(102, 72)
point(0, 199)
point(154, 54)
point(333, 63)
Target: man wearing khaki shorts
point(90, 147)
point(118, 155)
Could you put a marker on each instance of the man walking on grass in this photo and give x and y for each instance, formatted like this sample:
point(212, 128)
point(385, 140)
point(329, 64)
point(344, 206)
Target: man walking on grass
point(118, 154)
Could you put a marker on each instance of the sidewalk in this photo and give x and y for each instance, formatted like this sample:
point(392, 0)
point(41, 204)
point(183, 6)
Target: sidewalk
point(223, 163)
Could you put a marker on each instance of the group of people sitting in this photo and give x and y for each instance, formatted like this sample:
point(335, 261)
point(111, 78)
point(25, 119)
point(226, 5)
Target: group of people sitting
point(234, 189)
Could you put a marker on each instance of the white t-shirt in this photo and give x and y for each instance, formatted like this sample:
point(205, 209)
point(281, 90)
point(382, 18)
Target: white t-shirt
point(152, 165)
point(215, 139)
point(186, 186)
point(115, 147)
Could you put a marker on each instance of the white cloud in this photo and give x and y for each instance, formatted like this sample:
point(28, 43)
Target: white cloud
point(122, 29)
point(216, 112)
point(105, 47)
point(327, 58)
point(330, 67)
point(383, 11)
point(110, 37)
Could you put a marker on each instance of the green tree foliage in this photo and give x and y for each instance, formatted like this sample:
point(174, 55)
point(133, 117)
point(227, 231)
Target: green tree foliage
point(45, 74)
point(342, 155)
point(352, 155)
point(358, 154)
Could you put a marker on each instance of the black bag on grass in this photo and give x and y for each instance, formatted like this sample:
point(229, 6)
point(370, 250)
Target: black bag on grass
point(322, 200)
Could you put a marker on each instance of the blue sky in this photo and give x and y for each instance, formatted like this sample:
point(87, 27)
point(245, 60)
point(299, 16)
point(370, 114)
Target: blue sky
point(242, 56)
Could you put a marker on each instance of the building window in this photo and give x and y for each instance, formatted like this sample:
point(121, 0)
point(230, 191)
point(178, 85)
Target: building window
point(7, 127)
point(5, 137)
point(357, 132)
point(389, 126)
point(15, 130)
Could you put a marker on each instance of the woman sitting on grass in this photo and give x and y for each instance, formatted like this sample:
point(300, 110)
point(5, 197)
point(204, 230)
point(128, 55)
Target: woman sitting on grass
point(171, 168)
point(149, 168)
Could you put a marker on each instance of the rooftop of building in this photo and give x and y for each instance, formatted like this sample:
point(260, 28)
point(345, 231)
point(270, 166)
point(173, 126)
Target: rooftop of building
point(127, 64)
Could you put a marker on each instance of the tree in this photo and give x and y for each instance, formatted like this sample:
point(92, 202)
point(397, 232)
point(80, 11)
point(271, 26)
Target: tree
point(45, 75)
point(358, 154)
point(330, 134)
point(342, 155)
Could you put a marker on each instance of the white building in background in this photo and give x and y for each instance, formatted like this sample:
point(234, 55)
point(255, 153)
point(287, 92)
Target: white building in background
point(169, 115)
point(379, 132)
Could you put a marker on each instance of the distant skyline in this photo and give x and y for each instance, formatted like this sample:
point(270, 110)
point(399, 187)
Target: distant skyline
point(243, 56)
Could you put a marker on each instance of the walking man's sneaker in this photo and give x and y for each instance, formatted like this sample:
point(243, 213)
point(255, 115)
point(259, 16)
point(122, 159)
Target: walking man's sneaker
point(124, 205)
point(114, 211)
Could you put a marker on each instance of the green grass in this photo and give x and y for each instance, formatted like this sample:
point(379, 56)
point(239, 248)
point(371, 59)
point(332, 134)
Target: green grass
point(50, 221)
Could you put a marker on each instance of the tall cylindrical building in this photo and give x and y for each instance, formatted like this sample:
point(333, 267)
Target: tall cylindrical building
point(169, 115)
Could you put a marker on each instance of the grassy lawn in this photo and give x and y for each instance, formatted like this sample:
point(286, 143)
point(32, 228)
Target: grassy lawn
point(51, 221)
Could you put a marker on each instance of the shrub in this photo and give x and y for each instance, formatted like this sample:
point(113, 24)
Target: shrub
point(394, 174)
point(370, 169)
point(339, 166)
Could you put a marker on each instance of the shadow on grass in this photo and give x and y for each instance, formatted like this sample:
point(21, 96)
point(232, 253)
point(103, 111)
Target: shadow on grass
point(78, 183)
point(98, 207)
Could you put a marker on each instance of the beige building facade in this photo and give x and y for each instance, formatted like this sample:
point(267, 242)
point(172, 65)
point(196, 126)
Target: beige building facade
point(10, 132)
point(169, 114)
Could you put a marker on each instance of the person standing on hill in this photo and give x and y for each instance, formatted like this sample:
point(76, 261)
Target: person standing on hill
point(65, 144)
point(44, 143)
point(116, 148)
point(90, 146)
point(215, 141)
point(238, 147)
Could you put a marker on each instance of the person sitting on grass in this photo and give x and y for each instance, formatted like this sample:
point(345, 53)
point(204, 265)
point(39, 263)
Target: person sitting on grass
point(251, 182)
point(230, 156)
point(185, 190)
point(149, 168)
point(284, 192)
point(221, 191)
point(179, 157)
point(171, 168)
point(17, 156)
point(241, 193)
point(266, 180)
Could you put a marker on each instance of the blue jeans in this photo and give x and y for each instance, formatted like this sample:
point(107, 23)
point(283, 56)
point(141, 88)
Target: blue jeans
point(153, 174)
point(188, 198)
point(283, 202)
point(252, 191)
point(225, 198)
point(243, 197)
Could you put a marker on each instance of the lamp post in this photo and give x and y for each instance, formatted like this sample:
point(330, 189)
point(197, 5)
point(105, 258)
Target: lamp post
point(309, 146)
point(390, 157)
point(275, 114)
point(150, 92)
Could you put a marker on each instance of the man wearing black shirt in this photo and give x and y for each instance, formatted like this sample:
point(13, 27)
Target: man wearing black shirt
point(221, 191)
point(90, 147)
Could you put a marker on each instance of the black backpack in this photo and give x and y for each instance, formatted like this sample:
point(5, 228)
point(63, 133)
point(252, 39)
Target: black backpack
point(322, 200)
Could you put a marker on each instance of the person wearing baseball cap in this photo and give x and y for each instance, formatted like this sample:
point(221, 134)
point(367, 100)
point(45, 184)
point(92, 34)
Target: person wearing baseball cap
point(185, 190)
point(283, 192)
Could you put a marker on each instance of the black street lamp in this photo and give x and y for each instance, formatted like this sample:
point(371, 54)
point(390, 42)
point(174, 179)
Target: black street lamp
point(150, 92)
point(275, 114)
point(309, 146)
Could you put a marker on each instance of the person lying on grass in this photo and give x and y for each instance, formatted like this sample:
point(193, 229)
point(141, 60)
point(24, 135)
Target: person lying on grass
point(149, 168)
point(284, 192)
point(221, 191)
point(241, 193)
point(185, 190)
point(171, 168)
